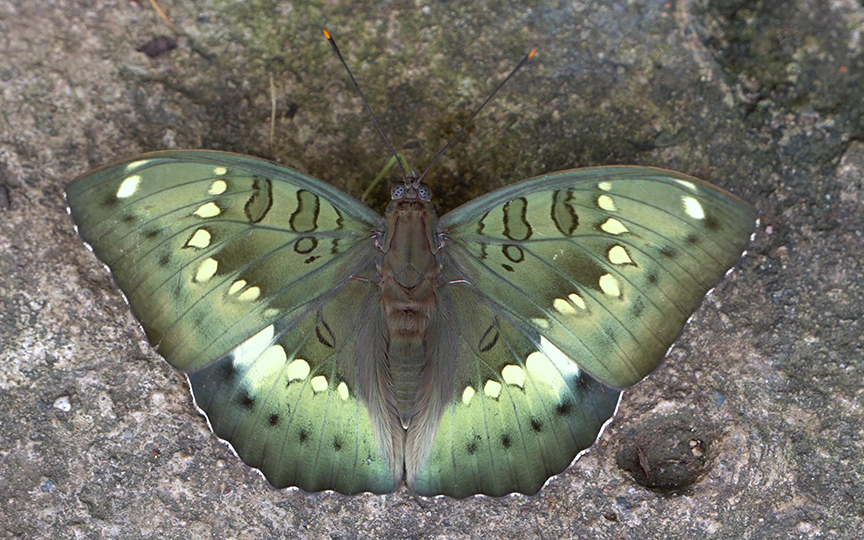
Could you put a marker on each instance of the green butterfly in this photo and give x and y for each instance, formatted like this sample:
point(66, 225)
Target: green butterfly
point(338, 350)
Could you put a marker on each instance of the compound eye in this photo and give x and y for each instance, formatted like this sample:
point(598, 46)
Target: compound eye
point(424, 194)
point(397, 192)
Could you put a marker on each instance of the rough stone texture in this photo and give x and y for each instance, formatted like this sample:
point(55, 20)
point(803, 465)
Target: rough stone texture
point(98, 436)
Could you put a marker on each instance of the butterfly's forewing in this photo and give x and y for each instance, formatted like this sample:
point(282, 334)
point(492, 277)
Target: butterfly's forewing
point(247, 276)
point(556, 283)
point(606, 263)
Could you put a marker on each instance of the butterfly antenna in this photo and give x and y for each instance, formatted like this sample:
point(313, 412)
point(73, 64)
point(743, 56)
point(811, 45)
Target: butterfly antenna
point(524, 61)
point(366, 103)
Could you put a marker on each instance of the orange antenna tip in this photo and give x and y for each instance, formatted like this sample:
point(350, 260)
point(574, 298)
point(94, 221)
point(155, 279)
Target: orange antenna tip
point(326, 33)
point(530, 54)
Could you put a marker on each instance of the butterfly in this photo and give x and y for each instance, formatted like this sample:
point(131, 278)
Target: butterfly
point(336, 349)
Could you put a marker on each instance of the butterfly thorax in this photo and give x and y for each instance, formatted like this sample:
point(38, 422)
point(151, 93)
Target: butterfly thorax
point(408, 281)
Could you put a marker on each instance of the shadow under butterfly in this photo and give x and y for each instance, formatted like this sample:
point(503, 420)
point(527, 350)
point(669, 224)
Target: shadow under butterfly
point(336, 349)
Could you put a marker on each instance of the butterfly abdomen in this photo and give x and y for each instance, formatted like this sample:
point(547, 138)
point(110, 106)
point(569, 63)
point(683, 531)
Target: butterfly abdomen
point(409, 277)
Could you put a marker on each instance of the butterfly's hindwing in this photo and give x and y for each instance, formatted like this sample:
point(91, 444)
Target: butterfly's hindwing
point(519, 410)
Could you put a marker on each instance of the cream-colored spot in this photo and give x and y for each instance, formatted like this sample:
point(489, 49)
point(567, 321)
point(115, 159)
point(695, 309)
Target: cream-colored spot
point(563, 306)
point(514, 375)
point(128, 186)
point(250, 294)
point(342, 390)
point(693, 208)
point(201, 239)
point(577, 301)
point(609, 285)
point(219, 171)
point(492, 389)
point(298, 370)
point(218, 187)
point(550, 364)
point(605, 186)
point(208, 210)
point(542, 323)
point(136, 165)
point(249, 351)
point(468, 394)
point(539, 366)
point(236, 286)
point(619, 255)
point(318, 384)
point(206, 270)
point(686, 184)
point(613, 226)
point(606, 203)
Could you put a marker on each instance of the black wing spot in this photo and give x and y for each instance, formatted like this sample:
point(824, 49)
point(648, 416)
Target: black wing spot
point(273, 420)
point(471, 447)
point(151, 234)
point(110, 201)
point(668, 252)
point(128, 218)
point(651, 279)
point(513, 253)
point(638, 307)
point(325, 334)
point(564, 408)
point(227, 371)
point(337, 443)
point(165, 260)
point(311, 259)
point(305, 245)
point(261, 200)
point(489, 339)
point(536, 425)
point(507, 267)
point(693, 239)
point(303, 435)
point(246, 400)
point(711, 223)
point(506, 441)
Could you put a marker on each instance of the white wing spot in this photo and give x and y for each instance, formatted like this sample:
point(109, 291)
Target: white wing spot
point(606, 203)
point(551, 364)
point(514, 375)
point(206, 270)
point(539, 366)
point(128, 186)
point(605, 186)
point(201, 239)
point(609, 285)
point(577, 301)
point(492, 389)
point(693, 208)
point(542, 323)
point(619, 255)
point(468, 394)
point(218, 187)
point(689, 185)
point(342, 390)
point(272, 359)
point(248, 351)
point(136, 165)
point(298, 370)
point(563, 307)
point(236, 286)
point(219, 171)
point(208, 210)
point(613, 226)
point(318, 384)
point(250, 294)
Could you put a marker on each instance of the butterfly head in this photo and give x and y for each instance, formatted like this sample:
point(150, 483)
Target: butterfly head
point(412, 188)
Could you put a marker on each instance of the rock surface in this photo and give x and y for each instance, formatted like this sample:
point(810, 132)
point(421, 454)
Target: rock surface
point(752, 428)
